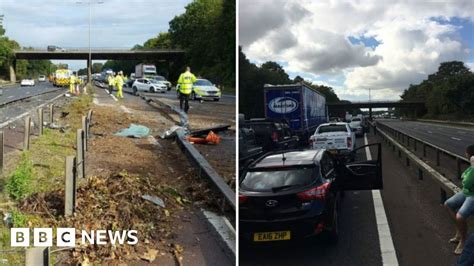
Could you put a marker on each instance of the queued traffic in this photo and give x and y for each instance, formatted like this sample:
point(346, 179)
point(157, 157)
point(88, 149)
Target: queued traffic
point(296, 163)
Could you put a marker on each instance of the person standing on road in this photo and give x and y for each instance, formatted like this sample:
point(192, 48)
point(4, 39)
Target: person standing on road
point(119, 84)
point(461, 205)
point(111, 81)
point(185, 82)
point(72, 82)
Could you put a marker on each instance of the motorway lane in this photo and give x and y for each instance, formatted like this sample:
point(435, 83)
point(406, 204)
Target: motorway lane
point(17, 92)
point(451, 138)
point(419, 226)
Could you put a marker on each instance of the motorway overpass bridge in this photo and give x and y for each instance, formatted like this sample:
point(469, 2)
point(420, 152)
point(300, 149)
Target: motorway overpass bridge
point(346, 106)
point(95, 54)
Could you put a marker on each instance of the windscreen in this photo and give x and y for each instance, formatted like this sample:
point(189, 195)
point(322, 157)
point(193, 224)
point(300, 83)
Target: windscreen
point(332, 128)
point(269, 180)
point(202, 82)
point(160, 78)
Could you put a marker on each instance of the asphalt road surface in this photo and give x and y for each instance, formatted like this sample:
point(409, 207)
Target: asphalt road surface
point(451, 138)
point(419, 226)
point(17, 92)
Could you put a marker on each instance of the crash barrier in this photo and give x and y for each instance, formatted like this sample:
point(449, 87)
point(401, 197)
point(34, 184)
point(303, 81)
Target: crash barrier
point(416, 143)
point(412, 160)
point(30, 96)
point(205, 169)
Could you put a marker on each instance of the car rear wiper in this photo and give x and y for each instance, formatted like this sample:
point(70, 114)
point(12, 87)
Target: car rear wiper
point(275, 189)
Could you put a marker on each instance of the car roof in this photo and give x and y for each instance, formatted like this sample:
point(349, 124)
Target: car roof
point(292, 158)
point(334, 124)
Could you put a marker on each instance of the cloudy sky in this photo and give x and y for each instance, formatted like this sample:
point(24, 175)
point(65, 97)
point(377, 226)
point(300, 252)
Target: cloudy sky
point(65, 23)
point(356, 45)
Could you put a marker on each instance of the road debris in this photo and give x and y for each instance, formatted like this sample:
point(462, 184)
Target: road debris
point(170, 133)
point(134, 131)
point(154, 199)
point(211, 138)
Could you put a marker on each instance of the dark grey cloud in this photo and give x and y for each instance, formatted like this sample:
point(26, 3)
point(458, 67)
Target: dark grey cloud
point(259, 18)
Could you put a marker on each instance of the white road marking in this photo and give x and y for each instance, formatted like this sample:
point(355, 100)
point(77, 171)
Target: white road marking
point(27, 92)
point(430, 132)
point(389, 255)
point(455, 138)
point(115, 99)
point(9, 97)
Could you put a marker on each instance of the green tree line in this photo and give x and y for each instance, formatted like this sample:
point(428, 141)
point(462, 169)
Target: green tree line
point(252, 79)
point(448, 93)
point(206, 31)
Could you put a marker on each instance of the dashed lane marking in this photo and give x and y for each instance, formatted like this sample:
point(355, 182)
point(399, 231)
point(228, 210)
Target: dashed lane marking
point(458, 139)
point(389, 255)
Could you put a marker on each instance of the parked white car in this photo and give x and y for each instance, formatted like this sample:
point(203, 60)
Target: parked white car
point(356, 126)
point(150, 85)
point(27, 82)
point(163, 80)
point(41, 78)
point(337, 138)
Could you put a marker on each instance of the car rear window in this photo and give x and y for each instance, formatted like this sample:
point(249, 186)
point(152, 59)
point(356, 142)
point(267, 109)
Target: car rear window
point(356, 119)
point(332, 128)
point(266, 180)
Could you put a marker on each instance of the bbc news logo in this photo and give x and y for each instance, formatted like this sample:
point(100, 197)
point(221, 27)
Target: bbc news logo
point(66, 237)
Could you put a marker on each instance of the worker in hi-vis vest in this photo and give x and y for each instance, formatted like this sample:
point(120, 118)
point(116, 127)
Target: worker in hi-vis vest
point(72, 82)
point(110, 81)
point(185, 82)
point(119, 84)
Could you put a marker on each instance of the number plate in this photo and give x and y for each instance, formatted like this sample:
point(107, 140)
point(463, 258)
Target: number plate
point(333, 151)
point(272, 236)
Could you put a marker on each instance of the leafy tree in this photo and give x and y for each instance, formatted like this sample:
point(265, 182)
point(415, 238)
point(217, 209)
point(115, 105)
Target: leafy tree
point(448, 93)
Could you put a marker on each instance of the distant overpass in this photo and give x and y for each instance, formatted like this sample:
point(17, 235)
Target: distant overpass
point(99, 54)
point(96, 54)
point(346, 106)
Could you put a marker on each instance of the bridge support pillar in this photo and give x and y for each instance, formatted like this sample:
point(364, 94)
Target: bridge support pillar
point(12, 71)
point(89, 71)
point(370, 114)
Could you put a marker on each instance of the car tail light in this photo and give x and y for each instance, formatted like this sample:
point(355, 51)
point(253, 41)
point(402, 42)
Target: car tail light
point(317, 193)
point(349, 142)
point(275, 136)
point(242, 199)
point(319, 228)
point(310, 141)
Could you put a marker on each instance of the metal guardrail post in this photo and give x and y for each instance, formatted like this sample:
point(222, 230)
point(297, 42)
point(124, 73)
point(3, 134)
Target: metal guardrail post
point(84, 127)
point(80, 153)
point(458, 168)
point(443, 196)
point(40, 121)
point(37, 256)
point(70, 186)
point(1, 151)
point(51, 113)
point(26, 140)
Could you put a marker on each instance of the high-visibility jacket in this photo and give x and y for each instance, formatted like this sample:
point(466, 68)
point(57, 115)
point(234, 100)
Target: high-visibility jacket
point(185, 82)
point(119, 81)
point(111, 80)
point(72, 79)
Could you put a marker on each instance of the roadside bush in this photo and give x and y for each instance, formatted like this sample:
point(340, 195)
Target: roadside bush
point(19, 182)
point(19, 219)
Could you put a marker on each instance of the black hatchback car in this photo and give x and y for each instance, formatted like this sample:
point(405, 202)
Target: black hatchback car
point(294, 195)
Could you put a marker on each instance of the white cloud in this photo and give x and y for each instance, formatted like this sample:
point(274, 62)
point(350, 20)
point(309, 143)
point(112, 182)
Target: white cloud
point(115, 23)
point(411, 42)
